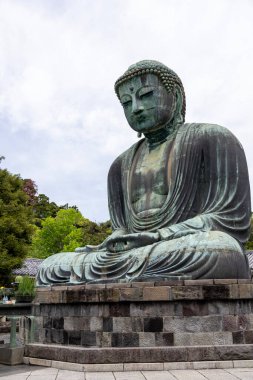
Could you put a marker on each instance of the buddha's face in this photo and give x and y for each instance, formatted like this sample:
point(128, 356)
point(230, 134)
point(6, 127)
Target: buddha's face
point(147, 104)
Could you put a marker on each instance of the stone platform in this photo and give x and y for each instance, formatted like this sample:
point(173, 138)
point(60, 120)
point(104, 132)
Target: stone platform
point(174, 321)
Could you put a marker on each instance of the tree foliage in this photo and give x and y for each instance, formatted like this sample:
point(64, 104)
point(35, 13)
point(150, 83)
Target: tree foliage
point(67, 231)
point(16, 226)
point(249, 244)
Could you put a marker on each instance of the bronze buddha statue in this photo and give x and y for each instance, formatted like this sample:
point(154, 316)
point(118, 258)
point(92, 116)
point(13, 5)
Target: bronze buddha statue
point(179, 199)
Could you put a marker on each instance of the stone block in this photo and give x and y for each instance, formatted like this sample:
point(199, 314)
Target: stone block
point(143, 367)
point(144, 284)
point(230, 322)
point(137, 324)
point(118, 285)
point(195, 309)
point(11, 356)
point(88, 339)
point(108, 324)
point(26, 360)
point(225, 281)
point(96, 324)
point(154, 309)
point(202, 339)
point(222, 338)
point(204, 365)
point(178, 365)
point(224, 364)
point(216, 292)
point(109, 295)
point(248, 337)
point(198, 282)
point(125, 340)
point(164, 339)
point(131, 294)
point(238, 337)
point(40, 362)
point(234, 291)
point(245, 290)
point(193, 324)
point(106, 339)
point(72, 337)
point(122, 324)
point(95, 286)
point(57, 323)
point(243, 281)
point(147, 339)
point(76, 323)
point(67, 366)
point(56, 336)
point(219, 307)
point(47, 322)
point(119, 309)
point(169, 283)
point(153, 324)
point(157, 293)
point(186, 292)
point(103, 367)
point(243, 363)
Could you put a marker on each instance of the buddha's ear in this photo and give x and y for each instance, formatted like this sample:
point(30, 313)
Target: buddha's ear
point(178, 118)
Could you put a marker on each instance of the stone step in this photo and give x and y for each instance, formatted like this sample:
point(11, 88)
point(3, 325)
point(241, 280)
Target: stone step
point(93, 355)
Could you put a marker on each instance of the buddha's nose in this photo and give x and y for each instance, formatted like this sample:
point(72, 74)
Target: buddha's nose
point(137, 106)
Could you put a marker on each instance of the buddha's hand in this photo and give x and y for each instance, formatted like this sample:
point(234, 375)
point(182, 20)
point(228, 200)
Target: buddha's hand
point(131, 241)
point(103, 245)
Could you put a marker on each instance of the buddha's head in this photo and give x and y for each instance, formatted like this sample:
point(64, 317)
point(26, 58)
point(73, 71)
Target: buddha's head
point(152, 96)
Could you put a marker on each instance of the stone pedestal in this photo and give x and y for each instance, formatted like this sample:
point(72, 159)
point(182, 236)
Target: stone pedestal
point(163, 321)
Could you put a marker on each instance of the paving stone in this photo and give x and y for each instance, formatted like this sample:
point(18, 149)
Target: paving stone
point(204, 365)
point(74, 374)
point(216, 374)
point(187, 374)
point(99, 376)
point(155, 375)
point(128, 376)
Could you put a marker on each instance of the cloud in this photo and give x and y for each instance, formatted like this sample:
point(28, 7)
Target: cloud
point(61, 123)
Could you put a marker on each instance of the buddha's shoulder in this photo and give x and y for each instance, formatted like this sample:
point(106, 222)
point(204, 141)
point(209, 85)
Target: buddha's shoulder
point(207, 130)
point(126, 155)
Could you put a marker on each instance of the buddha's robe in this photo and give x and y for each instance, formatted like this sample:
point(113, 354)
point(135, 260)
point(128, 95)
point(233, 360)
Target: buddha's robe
point(202, 223)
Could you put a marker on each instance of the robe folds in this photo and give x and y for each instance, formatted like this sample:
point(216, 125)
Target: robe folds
point(202, 224)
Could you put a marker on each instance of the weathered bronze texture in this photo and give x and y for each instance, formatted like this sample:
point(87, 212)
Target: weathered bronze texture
point(179, 199)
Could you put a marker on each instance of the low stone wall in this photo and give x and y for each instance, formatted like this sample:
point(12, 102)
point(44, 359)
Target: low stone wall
point(145, 314)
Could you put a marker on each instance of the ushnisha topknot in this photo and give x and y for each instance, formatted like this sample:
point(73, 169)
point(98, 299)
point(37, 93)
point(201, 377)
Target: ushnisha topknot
point(167, 76)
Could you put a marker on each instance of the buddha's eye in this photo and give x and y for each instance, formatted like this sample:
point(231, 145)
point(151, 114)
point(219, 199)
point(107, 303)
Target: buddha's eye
point(146, 95)
point(126, 103)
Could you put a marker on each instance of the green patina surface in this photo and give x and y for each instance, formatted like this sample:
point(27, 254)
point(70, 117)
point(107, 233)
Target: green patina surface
point(179, 198)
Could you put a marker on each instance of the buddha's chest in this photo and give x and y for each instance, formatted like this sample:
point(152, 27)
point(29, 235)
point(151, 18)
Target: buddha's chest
point(150, 177)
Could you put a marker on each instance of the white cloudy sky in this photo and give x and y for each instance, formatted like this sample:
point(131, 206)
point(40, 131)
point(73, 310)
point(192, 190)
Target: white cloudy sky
point(60, 121)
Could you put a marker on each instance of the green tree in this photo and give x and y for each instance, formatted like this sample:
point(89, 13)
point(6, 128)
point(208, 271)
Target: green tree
point(249, 244)
point(16, 226)
point(67, 231)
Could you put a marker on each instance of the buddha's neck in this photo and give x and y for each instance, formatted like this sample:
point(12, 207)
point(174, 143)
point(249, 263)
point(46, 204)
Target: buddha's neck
point(159, 136)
